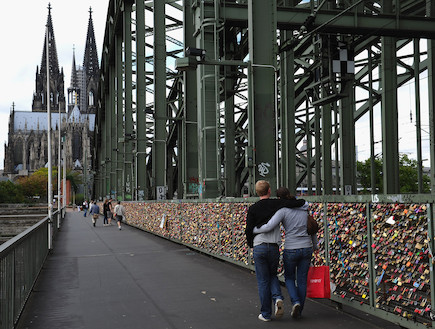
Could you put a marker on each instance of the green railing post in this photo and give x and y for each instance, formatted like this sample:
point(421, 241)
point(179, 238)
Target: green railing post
point(431, 245)
point(371, 258)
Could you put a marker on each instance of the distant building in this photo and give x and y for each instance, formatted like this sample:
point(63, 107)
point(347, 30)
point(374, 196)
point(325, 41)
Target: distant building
point(26, 150)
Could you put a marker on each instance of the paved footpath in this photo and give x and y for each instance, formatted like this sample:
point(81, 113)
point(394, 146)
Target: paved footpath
point(101, 277)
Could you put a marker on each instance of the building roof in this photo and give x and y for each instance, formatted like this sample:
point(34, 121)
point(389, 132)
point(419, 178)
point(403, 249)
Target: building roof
point(38, 121)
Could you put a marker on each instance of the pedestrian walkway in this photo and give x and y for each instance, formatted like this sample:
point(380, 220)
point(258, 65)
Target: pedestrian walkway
point(102, 277)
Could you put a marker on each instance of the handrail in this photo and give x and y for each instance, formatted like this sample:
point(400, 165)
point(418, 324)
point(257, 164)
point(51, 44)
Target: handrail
point(21, 260)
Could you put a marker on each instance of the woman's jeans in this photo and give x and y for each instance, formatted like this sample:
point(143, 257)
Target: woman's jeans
point(266, 257)
point(296, 265)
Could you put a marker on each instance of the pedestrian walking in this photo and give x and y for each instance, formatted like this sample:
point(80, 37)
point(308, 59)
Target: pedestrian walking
point(105, 212)
point(94, 211)
point(85, 208)
point(298, 249)
point(119, 213)
point(266, 249)
point(110, 212)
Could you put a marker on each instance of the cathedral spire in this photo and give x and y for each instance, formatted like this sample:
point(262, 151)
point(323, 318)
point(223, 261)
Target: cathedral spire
point(56, 88)
point(74, 76)
point(54, 63)
point(90, 60)
point(91, 70)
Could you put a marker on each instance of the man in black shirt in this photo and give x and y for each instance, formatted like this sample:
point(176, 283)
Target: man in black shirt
point(266, 248)
point(261, 211)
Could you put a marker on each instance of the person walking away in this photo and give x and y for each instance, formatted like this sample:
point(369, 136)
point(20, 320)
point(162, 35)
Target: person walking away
point(94, 211)
point(110, 211)
point(85, 208)
point(119, 213)
point(298, 250)
point(105, 211)
point(266, 249)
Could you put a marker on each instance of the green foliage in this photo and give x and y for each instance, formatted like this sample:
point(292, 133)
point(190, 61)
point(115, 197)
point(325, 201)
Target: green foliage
point(10, 193)
point(35, 185)
point(408, 175)
point(364, 175)
point(79, 199)
point(75, 179)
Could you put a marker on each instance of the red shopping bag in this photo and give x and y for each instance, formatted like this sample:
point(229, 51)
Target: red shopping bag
point(318, 285)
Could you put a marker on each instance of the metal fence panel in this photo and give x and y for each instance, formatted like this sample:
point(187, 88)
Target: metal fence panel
point(21, 260)
point(380, 254)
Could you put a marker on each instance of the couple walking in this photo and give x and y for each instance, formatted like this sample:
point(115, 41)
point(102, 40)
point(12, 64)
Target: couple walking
point(118, 211)
point(263, 234)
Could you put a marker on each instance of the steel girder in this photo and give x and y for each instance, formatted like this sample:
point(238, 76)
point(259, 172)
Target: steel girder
point(322, 163)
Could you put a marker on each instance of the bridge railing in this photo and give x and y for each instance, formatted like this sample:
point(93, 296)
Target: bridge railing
point(21, 260)
point(379, 248)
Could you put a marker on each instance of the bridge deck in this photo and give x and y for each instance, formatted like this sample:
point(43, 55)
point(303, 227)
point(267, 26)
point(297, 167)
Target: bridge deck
point(100, 277)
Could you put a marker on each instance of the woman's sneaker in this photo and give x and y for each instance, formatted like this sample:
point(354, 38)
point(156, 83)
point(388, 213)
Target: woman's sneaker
point(262, 318)
point(279, 308)
point(296, 311)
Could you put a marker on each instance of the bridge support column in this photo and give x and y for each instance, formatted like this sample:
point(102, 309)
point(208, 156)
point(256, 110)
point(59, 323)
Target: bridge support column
point(141, 151)
point(206, 23)
point(159, 143)
point(262, 53)
point(390, 130)
point(189, 139)
point(119, 108)
point(128, 110)
point(288, 147)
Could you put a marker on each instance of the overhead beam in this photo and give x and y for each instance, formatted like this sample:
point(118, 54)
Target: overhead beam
point(348, 23)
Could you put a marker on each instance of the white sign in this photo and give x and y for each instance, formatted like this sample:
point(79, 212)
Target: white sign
point(161, 193)
point(348, 190)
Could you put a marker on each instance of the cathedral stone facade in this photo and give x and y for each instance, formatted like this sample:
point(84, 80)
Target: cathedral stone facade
point(27, 147)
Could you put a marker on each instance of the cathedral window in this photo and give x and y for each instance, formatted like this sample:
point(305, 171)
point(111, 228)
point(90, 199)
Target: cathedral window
point(91, 98)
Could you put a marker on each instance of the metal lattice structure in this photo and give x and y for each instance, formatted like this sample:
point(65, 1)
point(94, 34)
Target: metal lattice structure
point(274, 90)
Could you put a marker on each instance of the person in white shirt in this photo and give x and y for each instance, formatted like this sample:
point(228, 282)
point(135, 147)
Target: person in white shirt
point(119, 213)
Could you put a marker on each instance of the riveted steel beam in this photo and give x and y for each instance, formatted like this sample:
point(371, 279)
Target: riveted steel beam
point(329, 21)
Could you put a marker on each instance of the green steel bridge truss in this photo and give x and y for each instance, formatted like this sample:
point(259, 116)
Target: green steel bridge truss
point(200, 99)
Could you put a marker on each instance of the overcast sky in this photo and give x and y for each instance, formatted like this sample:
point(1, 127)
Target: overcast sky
point(22, 38)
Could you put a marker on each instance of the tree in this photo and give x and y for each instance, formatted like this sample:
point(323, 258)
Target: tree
point(364, 175)
point(10, 193)
point(408, 175)
point(37, 183)
point(75, 179)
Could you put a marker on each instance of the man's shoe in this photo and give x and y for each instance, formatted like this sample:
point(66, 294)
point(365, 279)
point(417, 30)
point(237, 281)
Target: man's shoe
point(296, 311)
point(279, 308)
point(262, 318)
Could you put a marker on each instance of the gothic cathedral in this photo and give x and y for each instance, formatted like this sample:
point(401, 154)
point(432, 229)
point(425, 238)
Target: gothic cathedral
point(26, 150)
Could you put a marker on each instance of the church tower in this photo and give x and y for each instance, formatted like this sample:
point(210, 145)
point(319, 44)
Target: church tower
point(74, 89)
point(57, 96)
point(91, 70)
point(27, 148)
